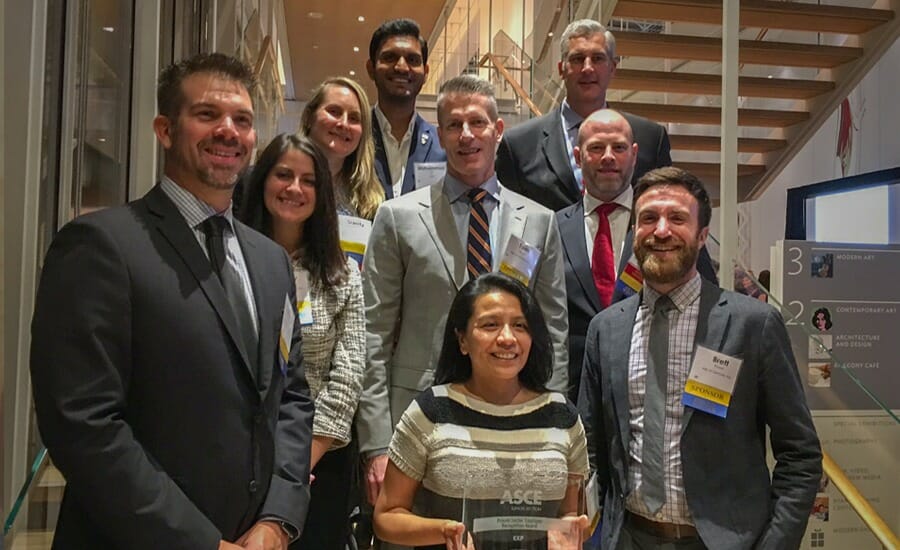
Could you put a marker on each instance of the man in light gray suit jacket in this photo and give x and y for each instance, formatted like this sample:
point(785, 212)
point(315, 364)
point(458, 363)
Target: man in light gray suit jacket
point(678, 471)
point(418, 258)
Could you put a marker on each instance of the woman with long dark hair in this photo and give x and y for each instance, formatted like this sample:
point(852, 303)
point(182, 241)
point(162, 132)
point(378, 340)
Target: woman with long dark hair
point(289, 197)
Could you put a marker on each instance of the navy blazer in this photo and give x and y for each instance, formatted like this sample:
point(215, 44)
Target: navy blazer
point(423, 147)
point(735, 501)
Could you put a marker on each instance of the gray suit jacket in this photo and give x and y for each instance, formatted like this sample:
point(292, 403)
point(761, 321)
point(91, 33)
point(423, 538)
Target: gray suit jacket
point(731, 497)
point(413, 268)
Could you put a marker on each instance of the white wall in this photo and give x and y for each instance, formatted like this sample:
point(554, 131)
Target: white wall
point(876, 146)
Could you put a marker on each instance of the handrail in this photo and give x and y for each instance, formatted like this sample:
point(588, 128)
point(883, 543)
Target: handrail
point(14, 511)
point(860, 505)
point(512, 81)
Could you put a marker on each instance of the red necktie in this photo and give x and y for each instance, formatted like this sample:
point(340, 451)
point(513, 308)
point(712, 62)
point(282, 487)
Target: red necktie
point(602, 259)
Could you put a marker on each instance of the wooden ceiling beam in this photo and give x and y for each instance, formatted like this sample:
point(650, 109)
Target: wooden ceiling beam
point(684, 142)
point(697, 48)
point(711, 84)
point(759, 13)
point(690, 114)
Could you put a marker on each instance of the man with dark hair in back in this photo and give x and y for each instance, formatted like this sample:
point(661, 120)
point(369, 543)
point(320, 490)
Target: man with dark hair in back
point(165, 360)
point(407, 152)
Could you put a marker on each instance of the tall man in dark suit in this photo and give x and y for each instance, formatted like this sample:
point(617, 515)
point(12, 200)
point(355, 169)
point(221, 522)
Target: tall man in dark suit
point(596, 231)
point(407, 152)
point(680, 383)
point(166, 358)
point(537, 158)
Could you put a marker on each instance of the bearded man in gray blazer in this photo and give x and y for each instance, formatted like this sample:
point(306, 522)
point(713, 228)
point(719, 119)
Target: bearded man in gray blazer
point(421, 252)
point(679, 384)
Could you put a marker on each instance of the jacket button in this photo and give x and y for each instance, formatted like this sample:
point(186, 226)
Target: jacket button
point(253, 486)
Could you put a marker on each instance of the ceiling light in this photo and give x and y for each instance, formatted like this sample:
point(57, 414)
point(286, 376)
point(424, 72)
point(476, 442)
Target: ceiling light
point(352, 73)
point(109, 29)
point(360, 18)
point(315, 46)
point(315, 15)
point(770, 76)
point(550, 33)
point(355, 48)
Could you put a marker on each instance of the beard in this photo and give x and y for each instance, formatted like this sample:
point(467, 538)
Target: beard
point(666, 271)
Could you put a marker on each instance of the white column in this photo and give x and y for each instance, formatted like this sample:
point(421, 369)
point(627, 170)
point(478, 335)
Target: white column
point(729, 158)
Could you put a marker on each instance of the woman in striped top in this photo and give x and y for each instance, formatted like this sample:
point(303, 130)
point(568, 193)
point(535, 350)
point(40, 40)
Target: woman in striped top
point(488, 431)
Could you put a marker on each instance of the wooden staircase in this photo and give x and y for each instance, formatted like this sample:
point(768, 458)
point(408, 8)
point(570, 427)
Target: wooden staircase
point(673, 76)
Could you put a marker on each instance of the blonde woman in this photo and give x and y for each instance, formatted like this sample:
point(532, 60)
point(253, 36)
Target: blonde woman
point(338, 119)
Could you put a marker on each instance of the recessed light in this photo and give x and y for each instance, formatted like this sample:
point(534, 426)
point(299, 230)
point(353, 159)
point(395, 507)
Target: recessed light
point(352, 73)
point(101, 140)
point(360, 18)
point(550, 33)
point(315, 46)
point(109, 29)
point(770, 76)
point(315, 15)
point(355, 48)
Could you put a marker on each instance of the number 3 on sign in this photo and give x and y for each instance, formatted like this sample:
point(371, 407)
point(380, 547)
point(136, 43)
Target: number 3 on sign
point(796, 261)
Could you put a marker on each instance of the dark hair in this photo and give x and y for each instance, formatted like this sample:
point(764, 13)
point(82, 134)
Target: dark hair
point(670, 175)
point(320, 250)
point(169, 95)
point(396, 27)
point(453, 366)
point(825, 313)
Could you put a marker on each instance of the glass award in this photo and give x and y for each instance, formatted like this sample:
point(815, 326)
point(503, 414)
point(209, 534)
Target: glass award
point(519, 510)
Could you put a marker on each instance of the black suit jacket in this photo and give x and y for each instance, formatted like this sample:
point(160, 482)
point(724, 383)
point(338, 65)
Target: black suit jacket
point(145, 396)
point(423, 147)
point(532, 159)
point(581, 294)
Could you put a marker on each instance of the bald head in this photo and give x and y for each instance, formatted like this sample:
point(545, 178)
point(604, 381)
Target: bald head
point(606, 153)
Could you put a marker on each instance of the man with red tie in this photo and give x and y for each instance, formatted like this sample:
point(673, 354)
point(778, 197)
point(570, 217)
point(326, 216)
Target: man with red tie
point(596, 231)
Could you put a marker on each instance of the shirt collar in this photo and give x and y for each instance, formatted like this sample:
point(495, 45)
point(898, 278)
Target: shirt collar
point(682, 296)
point(571, 119)
point(456, 190)
point(194, 210)
point(386, 125)
point(624, 200)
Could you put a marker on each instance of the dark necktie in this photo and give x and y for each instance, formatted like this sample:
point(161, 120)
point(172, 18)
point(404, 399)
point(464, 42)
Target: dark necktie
point(214, 229)
point(602, 259)
point(478, 256)
point(652, 473)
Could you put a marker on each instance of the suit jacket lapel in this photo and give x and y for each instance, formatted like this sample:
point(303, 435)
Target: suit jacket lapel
point(571, 230)
point(441, 226)
point(180, 236)
point(618, 367)
point(711, 327)
point(511, 222)
point(264, 318)
point(554, 148)
point(419, 147)
point(381, 163)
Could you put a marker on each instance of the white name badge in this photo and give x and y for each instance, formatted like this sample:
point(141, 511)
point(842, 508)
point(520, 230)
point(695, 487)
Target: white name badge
point(711, 381)
point(429, 173)
point(354, 234)
point(284, 337)
point(592, 496)
point(519, 260)
point(304, 306)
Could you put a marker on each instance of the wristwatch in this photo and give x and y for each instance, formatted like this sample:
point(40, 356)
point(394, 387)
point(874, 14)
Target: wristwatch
point(292, 532)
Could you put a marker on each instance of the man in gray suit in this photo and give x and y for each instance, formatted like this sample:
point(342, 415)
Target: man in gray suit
point(427, 244)
point(679, 384)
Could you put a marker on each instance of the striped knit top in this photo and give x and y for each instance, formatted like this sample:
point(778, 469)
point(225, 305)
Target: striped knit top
point(458, 446)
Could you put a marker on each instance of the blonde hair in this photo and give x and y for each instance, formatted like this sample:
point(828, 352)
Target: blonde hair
point(365, 190)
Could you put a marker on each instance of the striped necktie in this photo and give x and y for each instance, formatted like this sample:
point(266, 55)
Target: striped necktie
point(478, 257)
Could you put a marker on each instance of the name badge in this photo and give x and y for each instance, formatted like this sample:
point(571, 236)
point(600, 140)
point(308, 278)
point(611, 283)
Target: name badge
point(354, 234)
point(592, 497)
point(711, 381)
point(304, 306)
point(429, 173)
point(284, 337)
point(519, 260)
